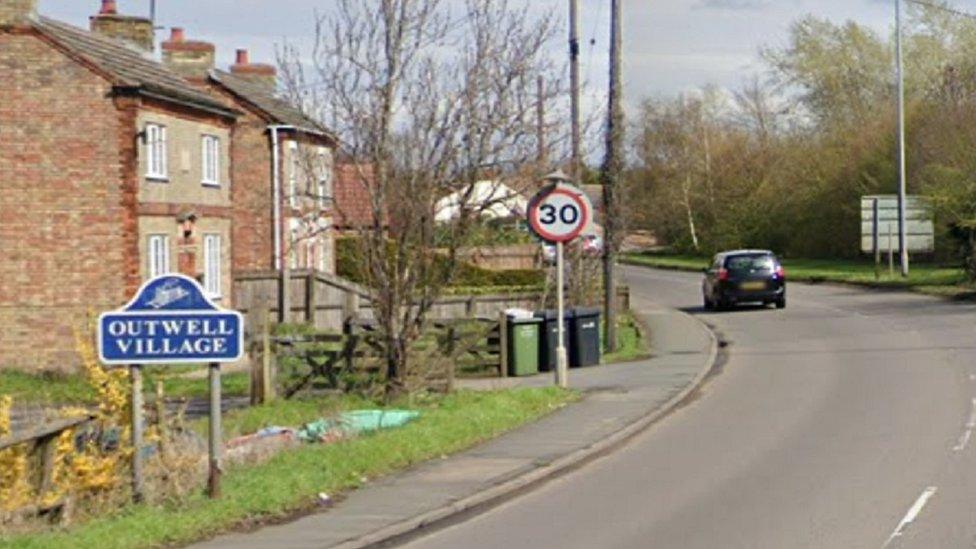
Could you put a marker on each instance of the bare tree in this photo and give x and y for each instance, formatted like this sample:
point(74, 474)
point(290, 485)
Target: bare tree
point(426, 102)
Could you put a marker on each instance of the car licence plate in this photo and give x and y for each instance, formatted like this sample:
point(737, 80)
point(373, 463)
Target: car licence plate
point(752, 286)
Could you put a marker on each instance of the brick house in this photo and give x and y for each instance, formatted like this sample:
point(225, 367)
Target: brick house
point(274, 217)
point(272, 133)
point(113, 168)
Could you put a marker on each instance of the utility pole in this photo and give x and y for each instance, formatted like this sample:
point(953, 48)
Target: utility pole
point(612, 171)
point(902, 230)
point(540, 120)
point(576, 171)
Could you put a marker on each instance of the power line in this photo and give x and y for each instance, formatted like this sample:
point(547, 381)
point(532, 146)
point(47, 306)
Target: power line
point(943, 8)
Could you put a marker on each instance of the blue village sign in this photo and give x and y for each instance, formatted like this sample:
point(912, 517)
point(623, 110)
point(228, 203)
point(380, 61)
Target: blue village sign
point(170, 321)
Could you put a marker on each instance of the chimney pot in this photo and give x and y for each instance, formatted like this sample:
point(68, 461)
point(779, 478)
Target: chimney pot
point(242, 57)
point(109, 7)
point(177, 34)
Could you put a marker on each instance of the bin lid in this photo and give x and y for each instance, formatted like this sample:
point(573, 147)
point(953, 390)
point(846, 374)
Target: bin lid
point(516, 313)
point(552, 314)
point(529, 320)
point(580, 312)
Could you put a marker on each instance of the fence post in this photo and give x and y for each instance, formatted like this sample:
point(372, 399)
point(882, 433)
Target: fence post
point(451, 359)
point(503, 344)
point(310, 305)
point(350, 305)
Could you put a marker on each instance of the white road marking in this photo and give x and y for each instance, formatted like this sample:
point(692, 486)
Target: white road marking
point(970, 425)
point(912, 514)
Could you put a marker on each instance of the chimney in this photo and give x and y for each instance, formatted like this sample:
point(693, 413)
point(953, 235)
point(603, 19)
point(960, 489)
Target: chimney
point(258, 73)
point(191, 59)
point(16, 13)
point(134, 31)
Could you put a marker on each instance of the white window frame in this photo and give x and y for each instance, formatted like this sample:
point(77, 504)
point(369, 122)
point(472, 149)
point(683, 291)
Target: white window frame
point(293, 167)
point(324, 190)
point(156, 152)
point(212, 261)
point(157, 255)
point(210, 160)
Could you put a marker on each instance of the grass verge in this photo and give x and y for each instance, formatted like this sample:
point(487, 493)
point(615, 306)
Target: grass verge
point(289, 482)
point(631, 341)
point(72, 389)
point(923, 278)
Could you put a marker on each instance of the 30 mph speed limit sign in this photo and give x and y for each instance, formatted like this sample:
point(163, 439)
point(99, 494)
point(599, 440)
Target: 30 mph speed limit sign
point(559, 214)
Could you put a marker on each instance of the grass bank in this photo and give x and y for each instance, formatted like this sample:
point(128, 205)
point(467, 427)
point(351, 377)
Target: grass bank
point(631, 341)
point(73, 389)
point(290, 481)
point(923, 278)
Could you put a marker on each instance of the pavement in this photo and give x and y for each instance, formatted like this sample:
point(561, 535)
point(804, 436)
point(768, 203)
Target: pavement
point(620, 401)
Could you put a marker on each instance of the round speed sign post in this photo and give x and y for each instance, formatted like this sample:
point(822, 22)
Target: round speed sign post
point(558, 214)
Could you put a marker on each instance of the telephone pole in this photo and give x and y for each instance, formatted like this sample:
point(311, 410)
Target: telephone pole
point(576, 171)
point(612, 171)
point(540, 121)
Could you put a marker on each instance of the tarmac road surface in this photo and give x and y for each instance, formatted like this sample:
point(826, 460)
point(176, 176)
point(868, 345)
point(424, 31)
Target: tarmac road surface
point(845, 420)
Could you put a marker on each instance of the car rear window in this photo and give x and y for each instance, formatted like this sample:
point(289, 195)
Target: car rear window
point(752, 262)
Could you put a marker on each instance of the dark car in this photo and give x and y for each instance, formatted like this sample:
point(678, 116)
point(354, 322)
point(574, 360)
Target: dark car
point(744, 276)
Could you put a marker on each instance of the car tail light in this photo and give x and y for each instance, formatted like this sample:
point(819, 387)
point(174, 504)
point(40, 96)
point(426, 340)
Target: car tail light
point(780, 272)
point(723, 274)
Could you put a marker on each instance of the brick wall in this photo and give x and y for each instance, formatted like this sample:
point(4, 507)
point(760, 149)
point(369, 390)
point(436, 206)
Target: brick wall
point(62, 219)
point(251, 192)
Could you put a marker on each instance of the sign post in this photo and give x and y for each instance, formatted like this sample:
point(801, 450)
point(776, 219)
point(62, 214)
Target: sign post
point(171, 321)
point(558, 214)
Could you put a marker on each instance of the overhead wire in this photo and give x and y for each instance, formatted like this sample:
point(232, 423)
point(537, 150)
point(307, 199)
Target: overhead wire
point(942, 8)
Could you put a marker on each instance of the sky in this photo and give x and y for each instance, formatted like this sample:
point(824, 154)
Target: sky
point(670, 46)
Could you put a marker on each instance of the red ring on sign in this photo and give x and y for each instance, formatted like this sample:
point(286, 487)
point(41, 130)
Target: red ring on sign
point(548, 237)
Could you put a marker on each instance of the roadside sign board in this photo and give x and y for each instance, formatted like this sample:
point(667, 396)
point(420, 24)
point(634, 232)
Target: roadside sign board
point(919, 227)
point(170, 321)
point(559, 213)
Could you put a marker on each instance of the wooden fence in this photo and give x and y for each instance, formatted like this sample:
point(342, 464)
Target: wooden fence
point(328, 301)
point(499, 258)
point(337, 361)
point(42, 442)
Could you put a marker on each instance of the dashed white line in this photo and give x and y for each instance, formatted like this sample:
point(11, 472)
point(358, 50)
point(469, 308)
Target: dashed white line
point(967, 434)
point(912, 514)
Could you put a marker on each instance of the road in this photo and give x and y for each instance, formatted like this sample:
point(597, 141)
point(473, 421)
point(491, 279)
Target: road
point(845, 420)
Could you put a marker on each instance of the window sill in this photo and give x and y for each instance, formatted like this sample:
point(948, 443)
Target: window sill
point(211, 184)
point(157, 178)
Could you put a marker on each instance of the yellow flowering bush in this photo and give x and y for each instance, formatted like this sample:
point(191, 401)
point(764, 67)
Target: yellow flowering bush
point(15, 489)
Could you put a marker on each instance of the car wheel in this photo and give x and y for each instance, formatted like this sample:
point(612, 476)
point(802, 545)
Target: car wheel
point(707, 303)
point(781, 303)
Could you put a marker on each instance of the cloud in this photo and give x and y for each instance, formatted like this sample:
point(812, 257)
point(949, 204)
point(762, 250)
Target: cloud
point(732, 4)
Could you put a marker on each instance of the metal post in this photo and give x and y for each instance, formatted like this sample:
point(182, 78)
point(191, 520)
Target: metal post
point(875, 227)
point(135, 373)
point(562, 366)
point(215, 434)
point(891, 252)
point(902, 230)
